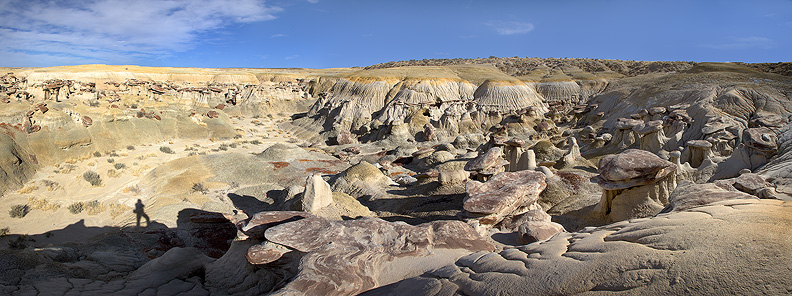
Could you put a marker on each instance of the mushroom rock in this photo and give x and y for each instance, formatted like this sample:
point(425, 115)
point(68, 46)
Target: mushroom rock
point(513, 149)
point(600, 141)
point(453, 177)
point(750, 183)
point(572, 157)
point(722, 142)
point(505, 194)
point(635, 183)
point(758, 145)
point(352, 256)
point(689, 195)
point(657, 113)
point(625, 136)
point(488, 163)
point(764, 119)
point(697, 151)
point(652, 137)
point(674, 131)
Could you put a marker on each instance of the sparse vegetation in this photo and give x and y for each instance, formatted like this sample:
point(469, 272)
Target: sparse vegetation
point(113, 173)
point(132, 189)
point(130, 147)
point(65, 168)
point(255, 142)
point(93, 178)
point(118, 209)
point(28, 189)
point(237, 136)
point(4, 231)
point(223, 147)
point(42, 204)
point(119, 166)
point(232, 145)
point(166, 149)
point(76, 207)
point(113, 154)
point(94, 207)
point(51, 185)
point(97, 154)
point(19, 211)
point(199, 187)
point(110, 160)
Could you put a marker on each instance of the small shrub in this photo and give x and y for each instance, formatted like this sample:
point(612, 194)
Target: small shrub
point(97, 154)
point(76, 207)
point(237, 136)
point(94, 207)
point(223, 147)
point(118, 209)
point(119, 166)
point(192, 153)
point(130, 147)
point(93, 178)
point(114, 154)
point(166, 149)
point(132, 189)
point(110, 160)
point(255, 142)
point(19, 211)
point(113, 173)
point(199, 187)
point(232, 145)
point(4, 231)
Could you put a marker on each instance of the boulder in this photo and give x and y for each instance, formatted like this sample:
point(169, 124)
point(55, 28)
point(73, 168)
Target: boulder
point(505, 194)
point(534, 231)
point(317, 194)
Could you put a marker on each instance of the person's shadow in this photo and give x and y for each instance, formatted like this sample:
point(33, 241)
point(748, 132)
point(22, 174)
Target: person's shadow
point(140, 213)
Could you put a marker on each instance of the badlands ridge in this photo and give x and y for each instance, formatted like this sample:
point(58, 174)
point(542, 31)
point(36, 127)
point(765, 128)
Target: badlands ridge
point(498, 176)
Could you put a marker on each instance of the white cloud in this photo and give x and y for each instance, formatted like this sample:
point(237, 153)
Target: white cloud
point(278, 35)
point(115, 31)
point(743, 43)
point(313, 1)
point(291, 57)
point(510, 28)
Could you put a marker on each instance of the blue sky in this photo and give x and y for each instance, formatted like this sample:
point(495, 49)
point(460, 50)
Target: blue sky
point(334, 33)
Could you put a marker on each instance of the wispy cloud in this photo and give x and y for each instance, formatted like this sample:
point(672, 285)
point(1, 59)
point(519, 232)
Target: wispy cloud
point(278, 35)
point(510, 28)
point(114, 31)
point(291, 57)
point(743, 43)
point(313, 1)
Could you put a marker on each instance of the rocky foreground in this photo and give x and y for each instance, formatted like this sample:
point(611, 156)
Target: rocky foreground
point(438, 177)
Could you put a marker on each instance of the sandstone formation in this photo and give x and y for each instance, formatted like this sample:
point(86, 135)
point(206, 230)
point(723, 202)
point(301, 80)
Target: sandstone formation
point(450, 176)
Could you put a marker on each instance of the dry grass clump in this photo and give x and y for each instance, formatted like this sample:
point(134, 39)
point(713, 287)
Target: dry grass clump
point(113, 173)
point(132, 189)
point(64, 168)
point(42, 204)
point(94, 207)
point(118, 209)
point(93, 178)
point(142, 157)
point(19, 211)
point(51, 185)
point(200, 187)
point(140, 170)
point(119, 166)
point(28, 189)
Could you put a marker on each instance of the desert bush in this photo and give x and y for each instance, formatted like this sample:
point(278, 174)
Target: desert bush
point(237, 136)
point(94, 207)
point(232, 145)
point(166, 149)
point(192, 153)
point(19, 211)
point(119, 166)
point(76, 207)
point(4, 231)
point(132, 189)
point(42, 204)
point(97, 154)
point(93, 178)
point(114, 154)
point(223, 147)
point(51, 185)
point(130, 147)
point(255, 142)
point(199, 187)
point(110, 160)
